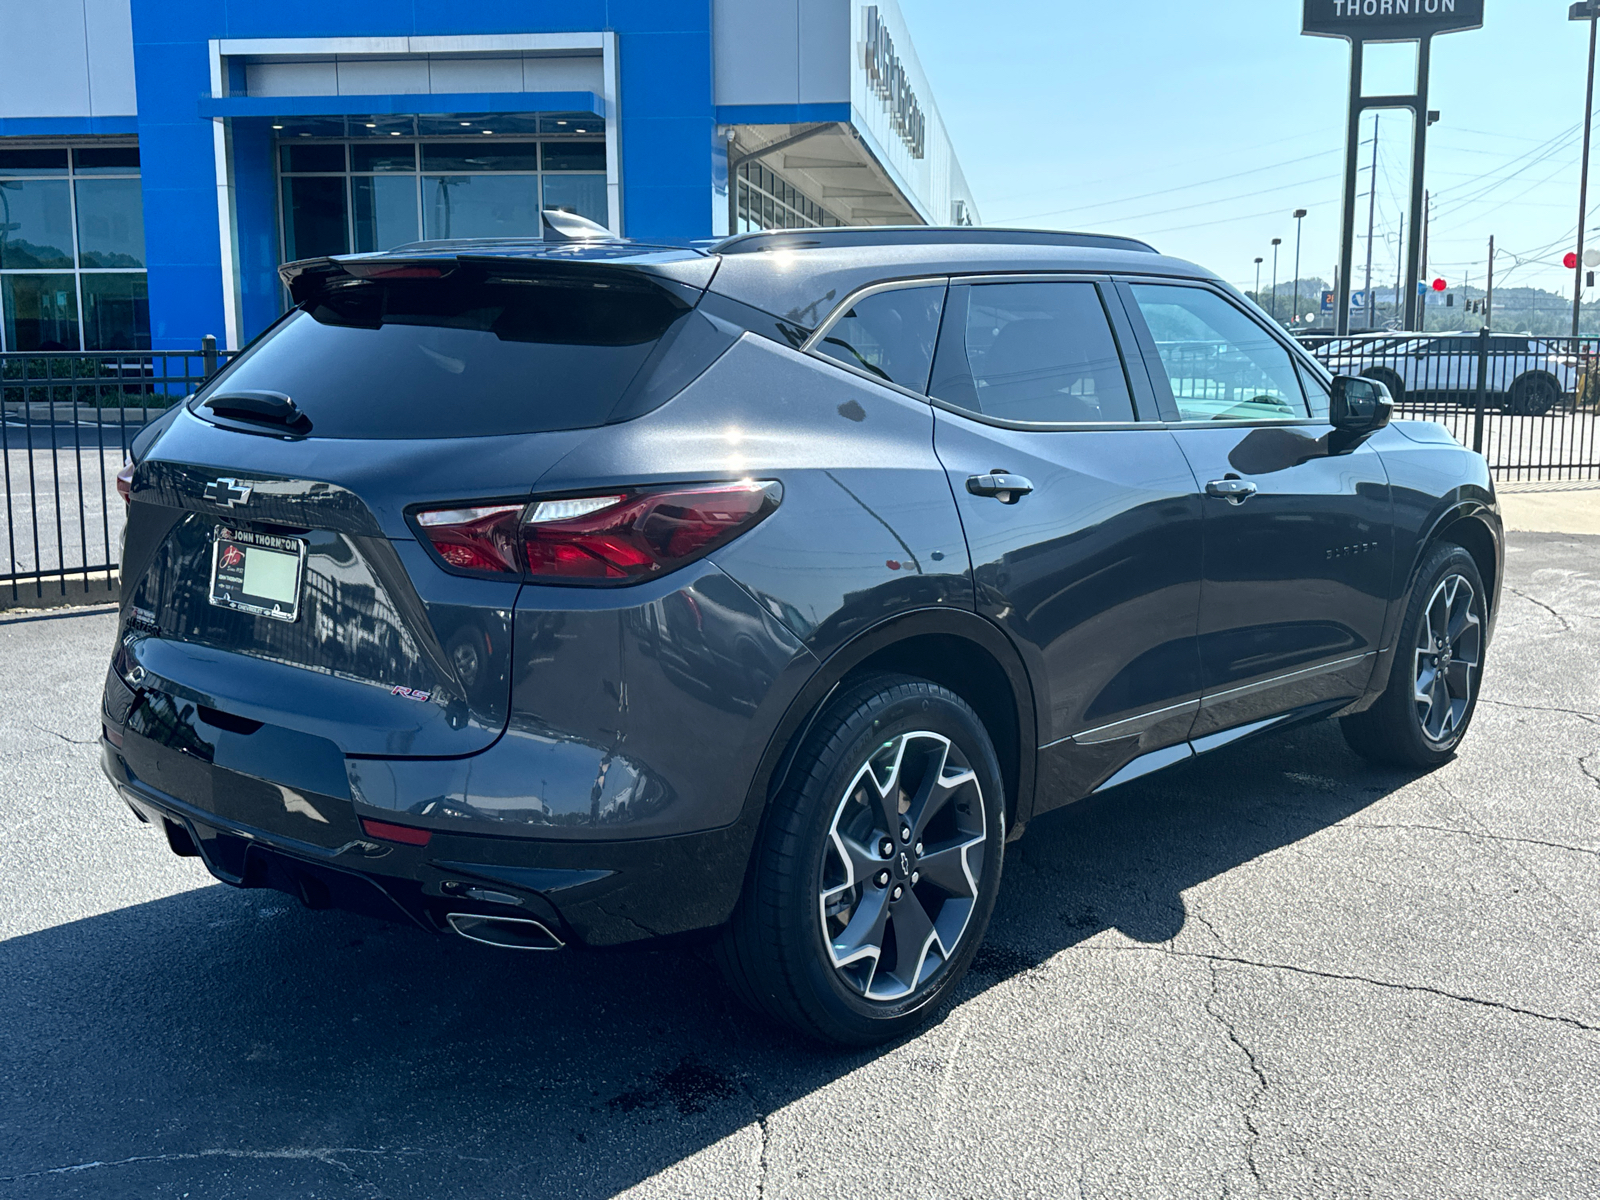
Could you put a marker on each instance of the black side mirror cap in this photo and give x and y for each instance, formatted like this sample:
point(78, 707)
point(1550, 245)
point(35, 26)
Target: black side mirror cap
point(1359, 405)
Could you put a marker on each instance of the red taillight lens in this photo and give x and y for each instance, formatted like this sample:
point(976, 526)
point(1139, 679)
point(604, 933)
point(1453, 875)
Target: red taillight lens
point(125, 481)
point(635, 537)
point(475, 539)
point(406, 835)
point(610, 539)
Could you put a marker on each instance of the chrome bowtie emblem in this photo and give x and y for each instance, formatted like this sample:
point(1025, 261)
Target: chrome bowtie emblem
point(905, 864)
point(227, 491)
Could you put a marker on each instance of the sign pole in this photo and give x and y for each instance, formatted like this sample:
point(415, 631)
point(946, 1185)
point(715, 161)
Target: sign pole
point(1583, 184)
point(1419, 153)
point(1359, 22)
point(1347, 216)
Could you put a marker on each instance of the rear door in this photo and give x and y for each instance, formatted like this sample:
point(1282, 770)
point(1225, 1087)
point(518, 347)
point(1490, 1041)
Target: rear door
point(1094, 568)
point(1298, 538)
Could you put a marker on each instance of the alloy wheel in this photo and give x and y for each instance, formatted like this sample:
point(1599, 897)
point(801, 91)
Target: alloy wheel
point(1448, 654)
point(902, 865)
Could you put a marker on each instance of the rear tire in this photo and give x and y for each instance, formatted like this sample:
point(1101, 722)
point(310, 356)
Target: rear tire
point(1533, 394)
point(1433, 685)
point(837, 939)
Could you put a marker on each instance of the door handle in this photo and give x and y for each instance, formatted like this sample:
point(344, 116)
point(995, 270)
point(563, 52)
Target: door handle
point(1002, 485)
point(1234, 491)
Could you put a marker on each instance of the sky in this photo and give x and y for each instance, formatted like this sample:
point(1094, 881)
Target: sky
point(1201, 125)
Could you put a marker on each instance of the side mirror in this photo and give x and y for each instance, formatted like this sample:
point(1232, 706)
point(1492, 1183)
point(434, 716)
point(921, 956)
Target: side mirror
point(1359, 405)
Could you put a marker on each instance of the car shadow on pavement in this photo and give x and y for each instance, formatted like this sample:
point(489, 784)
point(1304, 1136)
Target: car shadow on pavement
point(230, 1043)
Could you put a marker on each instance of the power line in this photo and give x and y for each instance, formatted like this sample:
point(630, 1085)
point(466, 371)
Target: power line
point(1169, 191)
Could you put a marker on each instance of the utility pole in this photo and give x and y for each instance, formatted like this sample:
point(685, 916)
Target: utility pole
point(1299, 221)
point(1372, 212)
point(1584, 10)
point(1276, 242)
point(1488, 291)
point(1399, 270)
point(1422, 275)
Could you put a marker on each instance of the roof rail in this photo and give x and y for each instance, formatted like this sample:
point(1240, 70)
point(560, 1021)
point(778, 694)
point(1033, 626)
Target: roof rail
point(841, 237)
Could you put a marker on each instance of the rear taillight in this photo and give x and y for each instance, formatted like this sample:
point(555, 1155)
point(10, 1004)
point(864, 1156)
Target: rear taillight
point(475, 539)
point(610, 539)
point(125, 481)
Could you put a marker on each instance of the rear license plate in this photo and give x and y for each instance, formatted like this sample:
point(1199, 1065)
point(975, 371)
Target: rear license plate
point(257, 573)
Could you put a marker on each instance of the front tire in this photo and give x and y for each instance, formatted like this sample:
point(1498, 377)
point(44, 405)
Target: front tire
point(877, 868)
point(1433, 685)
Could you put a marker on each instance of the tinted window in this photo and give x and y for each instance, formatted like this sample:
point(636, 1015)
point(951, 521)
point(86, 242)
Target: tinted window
point(1222, 366)
point(889, 334)
point(1037, 352)
point(469, 359)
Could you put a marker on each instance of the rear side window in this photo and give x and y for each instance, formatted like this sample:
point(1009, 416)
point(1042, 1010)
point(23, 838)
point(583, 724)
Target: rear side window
point(889, 334)
point(476, 358)
point(1041, 353)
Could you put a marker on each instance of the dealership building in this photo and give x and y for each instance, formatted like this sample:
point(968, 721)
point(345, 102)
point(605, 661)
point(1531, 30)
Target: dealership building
point(159, 159)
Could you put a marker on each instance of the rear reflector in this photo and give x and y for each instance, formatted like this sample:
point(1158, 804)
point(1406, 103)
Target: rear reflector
point(609, 539)
point(406, 835)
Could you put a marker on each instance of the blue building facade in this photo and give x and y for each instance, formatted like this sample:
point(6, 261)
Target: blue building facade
point(159, 159)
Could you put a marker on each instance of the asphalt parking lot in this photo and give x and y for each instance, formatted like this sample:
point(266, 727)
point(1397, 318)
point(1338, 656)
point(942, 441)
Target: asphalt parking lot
point(1274, 971)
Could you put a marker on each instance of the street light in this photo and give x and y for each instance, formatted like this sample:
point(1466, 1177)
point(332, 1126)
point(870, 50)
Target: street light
point(1276, 242)
point(1584, 10)
point(1259, 261)
point(1299, 218)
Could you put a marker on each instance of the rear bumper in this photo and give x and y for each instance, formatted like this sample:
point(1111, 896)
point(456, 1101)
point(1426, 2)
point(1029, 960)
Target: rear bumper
point(595, 894)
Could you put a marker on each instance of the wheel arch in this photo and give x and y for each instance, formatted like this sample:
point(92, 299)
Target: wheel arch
point(951, 647)
point(1475, 527)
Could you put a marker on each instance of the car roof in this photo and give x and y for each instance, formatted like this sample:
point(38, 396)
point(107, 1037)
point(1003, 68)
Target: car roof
point(801, 283)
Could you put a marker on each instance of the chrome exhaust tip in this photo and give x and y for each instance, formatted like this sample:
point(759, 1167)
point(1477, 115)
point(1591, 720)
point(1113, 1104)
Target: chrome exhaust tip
point(509, 933)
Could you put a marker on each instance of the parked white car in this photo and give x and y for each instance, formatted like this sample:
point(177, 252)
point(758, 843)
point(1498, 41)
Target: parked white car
point(1526, 375)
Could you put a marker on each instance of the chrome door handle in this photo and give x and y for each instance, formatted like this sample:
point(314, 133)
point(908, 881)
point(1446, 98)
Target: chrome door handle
point(1234, 491)
point(1002, 485)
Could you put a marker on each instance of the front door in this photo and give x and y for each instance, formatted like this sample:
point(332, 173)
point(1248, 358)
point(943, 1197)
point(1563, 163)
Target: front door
point(1083, 522)
point(1297, 527)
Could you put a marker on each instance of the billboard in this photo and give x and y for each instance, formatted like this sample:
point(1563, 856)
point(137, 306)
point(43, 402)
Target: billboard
point(1389, 20)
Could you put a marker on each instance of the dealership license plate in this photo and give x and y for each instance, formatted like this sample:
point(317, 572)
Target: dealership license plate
point(257, 573)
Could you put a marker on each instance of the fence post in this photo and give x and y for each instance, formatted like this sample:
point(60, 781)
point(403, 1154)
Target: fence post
point(208, 354)
point(1483, 390)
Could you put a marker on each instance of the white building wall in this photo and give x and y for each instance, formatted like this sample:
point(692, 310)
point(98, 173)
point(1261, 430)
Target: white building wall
point(814, 52)
point(66, 58)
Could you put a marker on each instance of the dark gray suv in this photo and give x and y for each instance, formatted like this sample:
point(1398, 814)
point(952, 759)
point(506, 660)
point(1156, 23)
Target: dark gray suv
point(577, 593)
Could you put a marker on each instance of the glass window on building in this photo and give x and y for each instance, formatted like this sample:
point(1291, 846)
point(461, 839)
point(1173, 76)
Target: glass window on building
point(359, 195)
point(768, 201)
point(72, 259)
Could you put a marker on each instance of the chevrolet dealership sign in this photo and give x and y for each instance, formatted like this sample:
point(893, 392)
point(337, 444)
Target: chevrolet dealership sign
point(1390, 20)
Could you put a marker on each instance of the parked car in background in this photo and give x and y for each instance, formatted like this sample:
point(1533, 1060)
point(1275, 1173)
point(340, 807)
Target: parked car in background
point(575, 594)
point(1527, 376)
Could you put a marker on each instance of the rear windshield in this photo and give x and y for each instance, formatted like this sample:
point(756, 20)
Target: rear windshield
point(470, 357)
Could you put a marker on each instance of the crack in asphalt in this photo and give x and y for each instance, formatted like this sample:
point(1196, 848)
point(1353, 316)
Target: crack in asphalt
point(1390, 984)
point(1468, 833)
point(1592, 718)
point(1583, 765)
point(1566, 625)
point(63, 737)
point(1246, 1111)
point(323, 1154)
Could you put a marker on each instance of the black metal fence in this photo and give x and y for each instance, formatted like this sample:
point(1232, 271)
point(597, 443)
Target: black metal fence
point(1530, 405)
point(66, 424)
